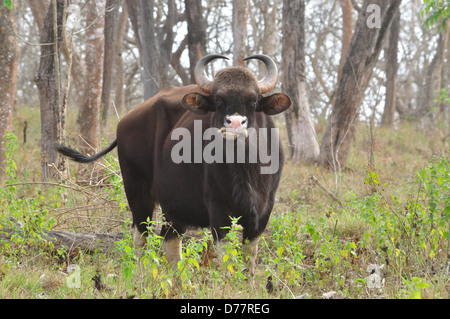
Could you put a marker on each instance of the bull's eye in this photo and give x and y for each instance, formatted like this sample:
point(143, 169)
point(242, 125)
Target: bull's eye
point(255, 104)
point(219, 101)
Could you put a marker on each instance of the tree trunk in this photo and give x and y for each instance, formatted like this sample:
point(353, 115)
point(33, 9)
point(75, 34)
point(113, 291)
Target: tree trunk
point(347, 32)
point(133, 7)
point(9, 62)
point(119, 77)
point(239, 26)
point(150, 51)
point(387, 119)
point(196, 33)
point(302, 137)
point(429, 92)
point(111, 14)
point(176, 64)
point(166, 45)
point(270, 39)
point(90, 110)
point(265, 39)
point(367, 42)
point(39, 9)
point(49, 87)
point(440, 104)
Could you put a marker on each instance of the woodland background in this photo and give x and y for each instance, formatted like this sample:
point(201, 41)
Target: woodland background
point(369, 82)
point(111, 55)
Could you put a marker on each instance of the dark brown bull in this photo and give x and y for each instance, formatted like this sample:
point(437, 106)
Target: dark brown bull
point(194, 193)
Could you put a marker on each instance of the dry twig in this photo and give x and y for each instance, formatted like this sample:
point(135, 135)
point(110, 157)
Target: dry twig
point(316, 181)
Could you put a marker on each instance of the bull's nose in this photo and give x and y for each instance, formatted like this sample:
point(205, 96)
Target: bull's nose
point(235, 122)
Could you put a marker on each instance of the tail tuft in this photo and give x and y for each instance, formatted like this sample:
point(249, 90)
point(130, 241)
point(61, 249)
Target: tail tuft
point(80, 158)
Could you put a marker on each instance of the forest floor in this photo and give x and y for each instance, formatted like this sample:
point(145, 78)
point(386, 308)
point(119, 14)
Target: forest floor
point(385, 233)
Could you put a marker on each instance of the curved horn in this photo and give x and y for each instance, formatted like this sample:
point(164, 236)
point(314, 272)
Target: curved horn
point(269, 80)
point(202, 80)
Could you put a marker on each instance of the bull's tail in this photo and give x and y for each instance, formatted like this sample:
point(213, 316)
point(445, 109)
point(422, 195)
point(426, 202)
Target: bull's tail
point(80, 158)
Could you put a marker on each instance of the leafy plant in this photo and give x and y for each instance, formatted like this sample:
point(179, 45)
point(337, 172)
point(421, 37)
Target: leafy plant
point(420, 224)
point(232, 258)
point(27, 217)
point(11, 145)
point(437, 9)
point(8, 4)
point(415, 287)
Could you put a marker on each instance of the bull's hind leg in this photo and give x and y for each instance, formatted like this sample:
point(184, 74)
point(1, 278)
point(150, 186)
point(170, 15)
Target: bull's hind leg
point(139, 228)
point(142, 204)
point(138, 240)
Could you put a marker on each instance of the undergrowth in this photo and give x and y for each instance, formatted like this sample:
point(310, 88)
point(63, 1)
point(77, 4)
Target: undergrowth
point(385, 236)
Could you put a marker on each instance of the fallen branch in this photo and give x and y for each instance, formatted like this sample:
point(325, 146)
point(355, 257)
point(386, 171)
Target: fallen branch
point(83, 241)
point(316, 181)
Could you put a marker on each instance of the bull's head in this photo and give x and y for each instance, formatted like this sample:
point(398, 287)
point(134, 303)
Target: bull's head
point(235, 95)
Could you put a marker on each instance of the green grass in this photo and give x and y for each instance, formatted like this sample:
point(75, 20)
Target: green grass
point(393, 213)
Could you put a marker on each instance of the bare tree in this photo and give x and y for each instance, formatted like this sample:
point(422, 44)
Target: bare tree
point(167, 36)
point(347, 32)
point(368, 40)
point(133, 8)
point(391, 72)
point(176, 63)
point(119, 75)
point(49, 86)
point(111, 15)
point(440, 105)
point(196, 33)
point(9, 62)
point(239, 26)
point(263, 16)
point(150, 50)
point(90, 110)
point(302, 137)
point(78, 71)
point(429, 91)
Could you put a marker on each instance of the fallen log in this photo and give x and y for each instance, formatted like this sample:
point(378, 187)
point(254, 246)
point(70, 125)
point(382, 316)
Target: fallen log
point(83, 241)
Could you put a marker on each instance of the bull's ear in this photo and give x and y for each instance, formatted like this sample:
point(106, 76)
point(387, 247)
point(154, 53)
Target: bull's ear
point(274, 104)
point(197, 103)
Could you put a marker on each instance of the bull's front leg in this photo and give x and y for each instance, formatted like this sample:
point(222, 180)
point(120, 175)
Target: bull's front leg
point(172, 243)
point(220, 224)
point(172, 250)
point(139, 240)
point(250, 252)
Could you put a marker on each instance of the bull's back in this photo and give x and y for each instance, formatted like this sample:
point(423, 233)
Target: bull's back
point(143, 141)
point(141, 132)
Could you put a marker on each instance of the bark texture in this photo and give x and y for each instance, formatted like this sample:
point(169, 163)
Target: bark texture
point(49, 87)
point(150, 50)
point(302, 137)
point(9, 62)
point(368, 40)
point(387, 119)
point(90, 110)
point(239, 24)
point(111, 17)
point(196, 34)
